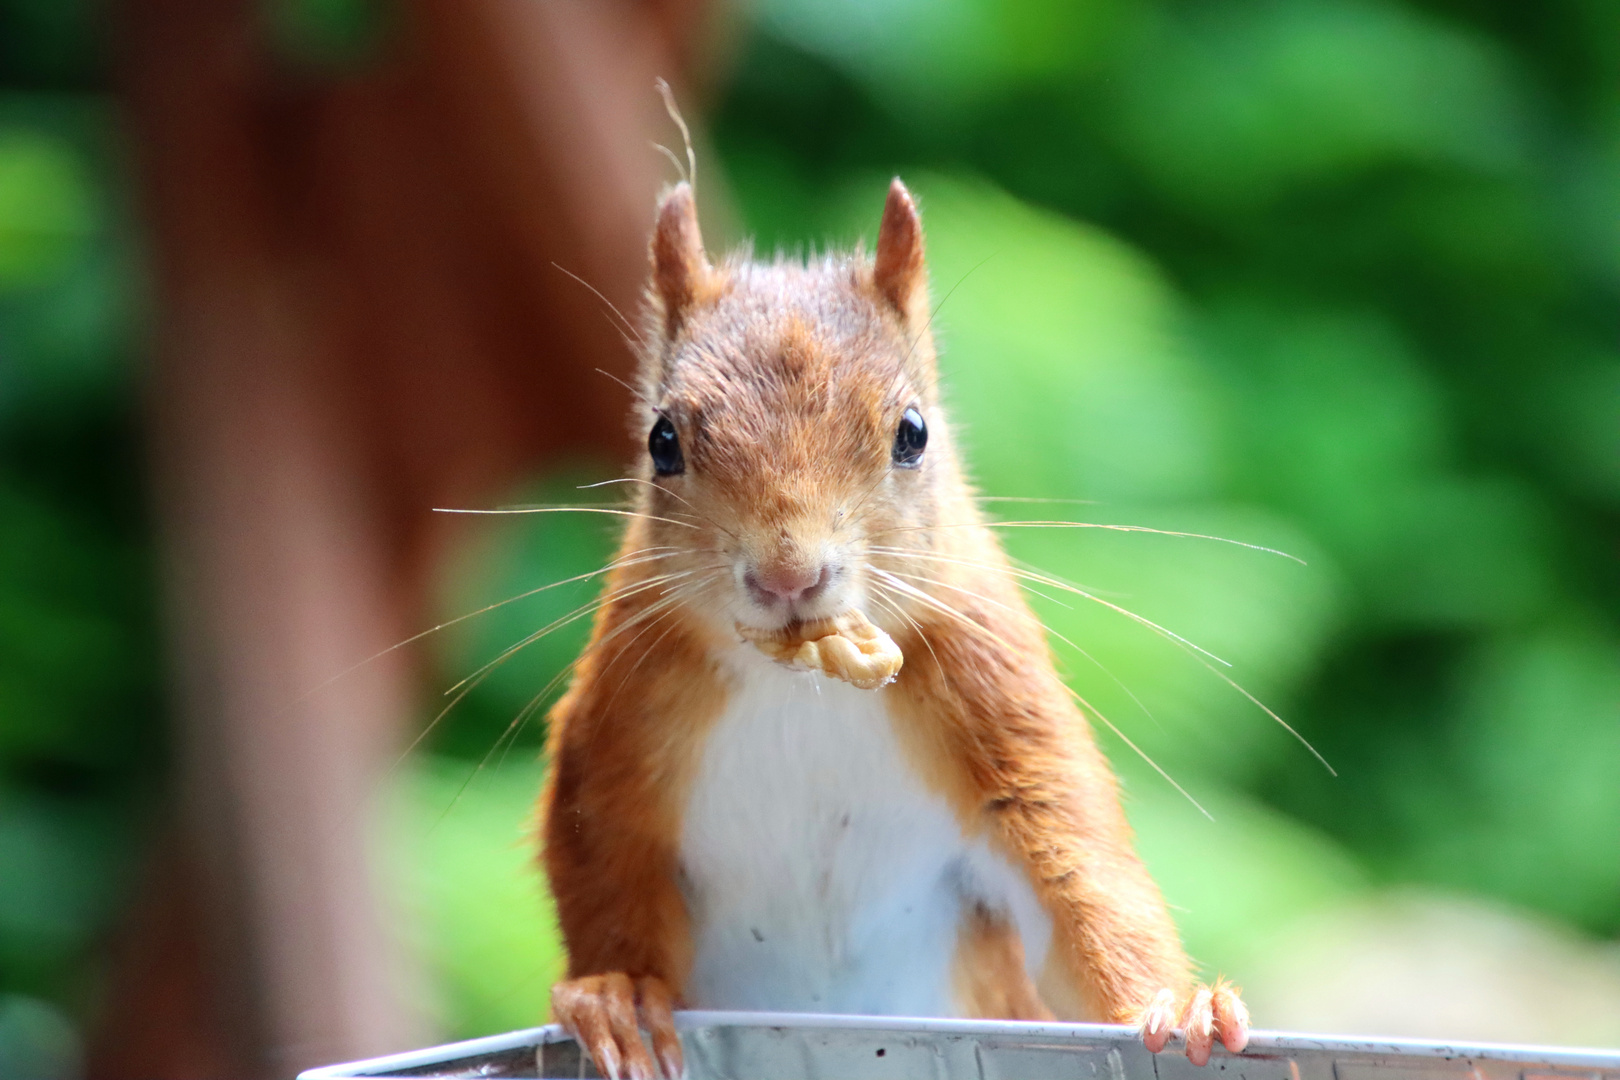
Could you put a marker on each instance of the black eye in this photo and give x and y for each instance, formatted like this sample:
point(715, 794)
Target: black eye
point(909, 439)
point(665, 448)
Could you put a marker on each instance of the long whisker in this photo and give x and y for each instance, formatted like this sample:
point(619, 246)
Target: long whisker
point(1114, 728)
point(1178, 639)
point(1286, 726)
point(626, 591)
point(651, 645)
point(941, 606)
point(1049, 630)
point(668, 603)
point(534, 702)
point(1092, 525)
point(664, 606)
point(950, 293)
point(1044, 626)
point(1071, 643)
point(615, 378)
point(924, 579)
point(564, 510)
point(666, 491)
point(653, 614)
point(1139, 751)
point(472, 682)
point(1033, 499)
point(634, 559)
point(932, 603)
point(908, 553)
point(880, 594)
point(626, 323)
point(578, 613)
point(1031, 568)
point(1055, 583)
point(1234, 684)
point(476, 680)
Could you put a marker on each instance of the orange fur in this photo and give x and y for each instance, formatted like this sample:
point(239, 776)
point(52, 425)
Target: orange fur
point(785, 383)
point(991, 980)
point(613, 795)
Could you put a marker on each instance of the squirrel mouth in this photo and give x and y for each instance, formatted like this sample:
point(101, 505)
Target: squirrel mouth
point(847, 647)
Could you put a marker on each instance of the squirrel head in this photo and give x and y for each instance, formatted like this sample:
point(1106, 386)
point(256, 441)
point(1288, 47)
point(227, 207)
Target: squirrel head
point(791, 417)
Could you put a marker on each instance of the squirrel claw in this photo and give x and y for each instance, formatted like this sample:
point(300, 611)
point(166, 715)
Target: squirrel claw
point(1210, 1014)
point(1198, 1021)
point(1231, 1016)
point(605, 1014)
point(1157, 1020)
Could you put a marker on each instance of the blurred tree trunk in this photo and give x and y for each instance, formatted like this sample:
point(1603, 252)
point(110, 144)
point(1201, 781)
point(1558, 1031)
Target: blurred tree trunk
point(358, 320)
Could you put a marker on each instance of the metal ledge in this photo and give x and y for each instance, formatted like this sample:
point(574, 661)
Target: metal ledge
point(801, 1046)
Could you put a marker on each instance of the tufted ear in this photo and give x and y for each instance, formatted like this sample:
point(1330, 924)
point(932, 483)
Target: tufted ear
point(899, 273)
point(681, 272)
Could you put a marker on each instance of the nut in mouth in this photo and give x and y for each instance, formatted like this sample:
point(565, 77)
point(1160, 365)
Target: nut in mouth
point(846, 647)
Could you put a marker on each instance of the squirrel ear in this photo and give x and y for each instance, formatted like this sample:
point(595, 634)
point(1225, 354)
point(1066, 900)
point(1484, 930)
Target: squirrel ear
point(681, 272)
point(899, 273)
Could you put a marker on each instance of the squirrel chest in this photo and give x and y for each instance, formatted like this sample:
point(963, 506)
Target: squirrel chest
point(820, 873)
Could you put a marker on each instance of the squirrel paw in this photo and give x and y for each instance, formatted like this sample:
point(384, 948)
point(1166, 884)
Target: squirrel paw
point(1209, 1013)
point(605, 1014)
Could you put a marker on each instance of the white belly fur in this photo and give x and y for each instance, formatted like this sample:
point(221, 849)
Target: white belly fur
point(820, 874)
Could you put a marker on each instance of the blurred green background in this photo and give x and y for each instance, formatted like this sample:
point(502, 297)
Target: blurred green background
point(1330, 276)
point(82, 750)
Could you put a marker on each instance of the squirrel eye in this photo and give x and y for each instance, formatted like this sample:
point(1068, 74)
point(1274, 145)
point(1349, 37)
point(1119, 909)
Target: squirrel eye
point(909, 439)
point(665, 447)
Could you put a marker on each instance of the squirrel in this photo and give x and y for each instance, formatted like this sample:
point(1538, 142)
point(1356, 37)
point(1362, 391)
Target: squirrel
point(938, 837)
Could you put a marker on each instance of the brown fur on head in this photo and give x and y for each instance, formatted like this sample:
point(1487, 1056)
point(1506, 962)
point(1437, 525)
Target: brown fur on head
point(786, 385)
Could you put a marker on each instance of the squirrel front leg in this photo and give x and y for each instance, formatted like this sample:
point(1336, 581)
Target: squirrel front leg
point(624, 924)
point(999, 732)
point(1115, 952)
point(610, 846)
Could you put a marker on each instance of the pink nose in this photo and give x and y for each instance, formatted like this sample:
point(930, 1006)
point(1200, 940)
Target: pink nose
point(789, 583)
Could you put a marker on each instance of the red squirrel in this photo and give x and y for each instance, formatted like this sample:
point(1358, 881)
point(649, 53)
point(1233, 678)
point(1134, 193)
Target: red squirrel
point(723, 831)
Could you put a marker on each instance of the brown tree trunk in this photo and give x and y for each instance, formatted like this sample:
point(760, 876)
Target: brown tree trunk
point(358, 319)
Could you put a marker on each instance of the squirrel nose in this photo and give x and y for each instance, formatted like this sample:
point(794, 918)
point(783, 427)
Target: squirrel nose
point(788, 583)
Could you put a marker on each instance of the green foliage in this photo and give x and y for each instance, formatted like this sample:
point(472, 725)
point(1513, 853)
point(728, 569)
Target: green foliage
point(1231, 107)
point(473, 883)
point(81, 750)
point(46, 210)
